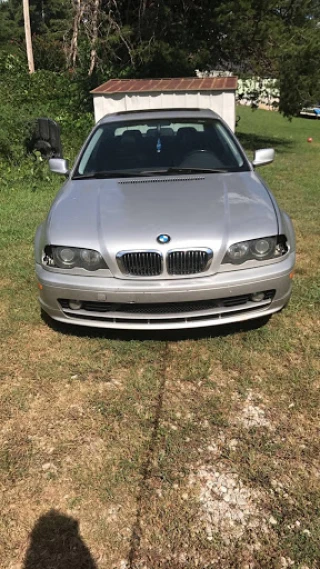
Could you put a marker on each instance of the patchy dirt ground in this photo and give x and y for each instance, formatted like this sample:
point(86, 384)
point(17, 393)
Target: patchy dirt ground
point(198, 450)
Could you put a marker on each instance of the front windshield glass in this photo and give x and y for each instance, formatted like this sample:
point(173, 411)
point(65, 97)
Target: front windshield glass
point(160, 147)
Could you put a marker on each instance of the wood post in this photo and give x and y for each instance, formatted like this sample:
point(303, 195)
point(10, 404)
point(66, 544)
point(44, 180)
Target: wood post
point(27, 30)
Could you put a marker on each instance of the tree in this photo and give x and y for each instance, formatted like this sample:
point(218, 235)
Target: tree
point(94, 35)
point(299, 72)
point(77, 17)
point(153, 38)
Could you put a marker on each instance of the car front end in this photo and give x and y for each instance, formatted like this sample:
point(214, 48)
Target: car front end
point(183, 303)
point(196, 244)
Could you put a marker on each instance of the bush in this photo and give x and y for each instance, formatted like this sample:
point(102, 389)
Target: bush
point(64, 97)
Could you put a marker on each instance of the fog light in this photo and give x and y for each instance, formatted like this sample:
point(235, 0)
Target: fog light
point(75, 304)
point(257, 296)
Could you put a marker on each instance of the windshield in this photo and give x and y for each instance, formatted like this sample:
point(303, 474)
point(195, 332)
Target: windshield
point(160, 147)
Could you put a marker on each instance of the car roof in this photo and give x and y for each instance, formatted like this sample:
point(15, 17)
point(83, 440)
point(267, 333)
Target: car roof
point(160, 114)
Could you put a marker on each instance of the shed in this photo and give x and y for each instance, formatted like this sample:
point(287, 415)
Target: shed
point(215, 93)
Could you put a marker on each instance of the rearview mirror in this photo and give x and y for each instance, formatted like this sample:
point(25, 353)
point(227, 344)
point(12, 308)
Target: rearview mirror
point(59, 166)
point(263, 156)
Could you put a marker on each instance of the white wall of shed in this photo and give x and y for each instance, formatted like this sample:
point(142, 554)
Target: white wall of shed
point(222, 102)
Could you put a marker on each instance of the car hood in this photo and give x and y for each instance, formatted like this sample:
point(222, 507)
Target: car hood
point(207, 210)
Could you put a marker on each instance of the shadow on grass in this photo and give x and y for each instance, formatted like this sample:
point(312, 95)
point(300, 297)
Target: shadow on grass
point(56, 543)
point(252, 142)
point(155, 335)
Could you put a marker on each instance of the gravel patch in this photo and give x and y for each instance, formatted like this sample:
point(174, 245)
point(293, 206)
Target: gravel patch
point(228, 507)
point(252, 415)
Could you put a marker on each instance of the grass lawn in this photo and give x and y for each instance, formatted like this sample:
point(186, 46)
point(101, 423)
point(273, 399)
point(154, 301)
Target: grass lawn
point(198, 450)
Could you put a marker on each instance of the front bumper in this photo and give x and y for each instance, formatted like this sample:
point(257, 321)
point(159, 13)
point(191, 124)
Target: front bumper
point(111, 296)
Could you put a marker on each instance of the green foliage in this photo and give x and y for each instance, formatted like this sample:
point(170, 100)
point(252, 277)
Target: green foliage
point(262, 38)
point(10, 29)
point(63, 97)
point(299, 73)
point(155, 61)
point(48, 54)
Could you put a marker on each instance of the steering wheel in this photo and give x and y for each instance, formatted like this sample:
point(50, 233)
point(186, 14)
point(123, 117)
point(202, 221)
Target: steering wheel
point(200, 159)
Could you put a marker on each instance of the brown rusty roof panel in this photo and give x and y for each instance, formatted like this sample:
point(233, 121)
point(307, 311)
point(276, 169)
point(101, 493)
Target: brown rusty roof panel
point(166, 84)
point(160, 85)
point(187, 83)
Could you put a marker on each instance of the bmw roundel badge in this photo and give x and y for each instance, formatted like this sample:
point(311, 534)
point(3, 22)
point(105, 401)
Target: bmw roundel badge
point(163, 238)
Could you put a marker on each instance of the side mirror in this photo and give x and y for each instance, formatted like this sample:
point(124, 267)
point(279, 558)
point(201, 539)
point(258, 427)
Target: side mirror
point(263, 156)
point(59, 166)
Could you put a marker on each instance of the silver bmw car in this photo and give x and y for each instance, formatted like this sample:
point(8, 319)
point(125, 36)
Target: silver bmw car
point(163, 223)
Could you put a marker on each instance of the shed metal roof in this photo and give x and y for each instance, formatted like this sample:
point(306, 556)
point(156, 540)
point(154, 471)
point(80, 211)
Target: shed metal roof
point(159, 85)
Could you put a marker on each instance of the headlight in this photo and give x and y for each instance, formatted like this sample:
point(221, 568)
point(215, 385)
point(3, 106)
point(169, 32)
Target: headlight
point(259, 249)
point(90, 260)
point(71, 257)
point(64, 257)
point(239, 252)
point(263, 248)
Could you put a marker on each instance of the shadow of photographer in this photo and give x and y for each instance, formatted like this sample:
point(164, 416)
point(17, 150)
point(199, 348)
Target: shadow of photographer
point(55, 543)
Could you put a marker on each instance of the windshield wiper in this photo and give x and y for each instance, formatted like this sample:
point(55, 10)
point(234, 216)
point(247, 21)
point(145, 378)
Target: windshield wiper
point(103, 174)
point(177, 170)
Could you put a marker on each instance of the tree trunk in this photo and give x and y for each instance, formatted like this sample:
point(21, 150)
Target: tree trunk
point(27, 30)
point(73, 53)
point(94, 38)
